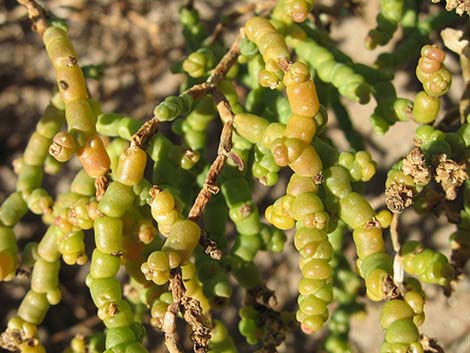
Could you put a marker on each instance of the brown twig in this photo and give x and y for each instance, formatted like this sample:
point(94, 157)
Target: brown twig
point(201, 332)
point(225, 63)
point(210, 184)
point(210, 247)
point(151, 127)
point(169, 321)
point(192, 313)
point(219, 72)
point(190, 307)
point(101, 184)
point(430, 345)
point(274, 328)
point(225, 146)
point(146, 131)
point(36, 14)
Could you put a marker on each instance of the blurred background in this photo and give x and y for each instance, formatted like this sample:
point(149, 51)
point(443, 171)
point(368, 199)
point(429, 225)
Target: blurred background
point(138, 41)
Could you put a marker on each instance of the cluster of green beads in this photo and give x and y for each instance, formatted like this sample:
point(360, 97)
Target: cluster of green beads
point(110, 232)
point(310, 239)
point(29, 194)
point(349, 83)
point(428, 265)
point(290, 145)
point(345, 290)
point(436, 80)
point(373, 263)
point(80, 116)
point(399, 319)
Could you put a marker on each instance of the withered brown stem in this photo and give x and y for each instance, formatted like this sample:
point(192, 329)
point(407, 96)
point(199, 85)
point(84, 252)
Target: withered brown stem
point(145, 133)
point(275, 329)
point(430, 345)
point(210, 247)
point(192, 314)
point(36, 14)
point(225, 145)
point(169, 320)
point(219, 72)
point(210, 184)
point(151, 127)
point(200, 330)
point(101, 184)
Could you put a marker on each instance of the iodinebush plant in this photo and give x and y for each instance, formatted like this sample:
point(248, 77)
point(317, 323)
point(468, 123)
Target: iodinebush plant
point(168, 230)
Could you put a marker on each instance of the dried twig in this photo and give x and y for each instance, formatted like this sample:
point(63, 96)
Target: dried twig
point(169, 321)
point(210, 247)
point(101, 184)
point(219, 72)
point(151, 127)
point(36, 14)
point(190, 307)
point(210, 184)
point(146, 131)
point(201, 332)
point(225, 145)
point(430, 345)
point(192, 313)
point(398, 271)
